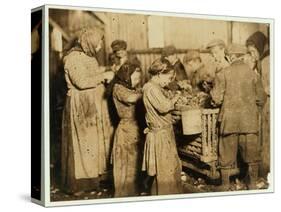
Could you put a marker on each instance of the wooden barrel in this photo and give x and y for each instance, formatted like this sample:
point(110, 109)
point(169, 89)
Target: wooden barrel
point(191, 121)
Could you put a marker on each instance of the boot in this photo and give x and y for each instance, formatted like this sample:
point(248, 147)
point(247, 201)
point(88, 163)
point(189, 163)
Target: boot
point(253, 176)
point(225, 174)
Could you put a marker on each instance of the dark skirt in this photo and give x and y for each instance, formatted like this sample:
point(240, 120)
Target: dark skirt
point(126, 158)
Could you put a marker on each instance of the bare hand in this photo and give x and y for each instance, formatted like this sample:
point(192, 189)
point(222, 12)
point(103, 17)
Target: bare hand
point(176, 116)
point(175, 99)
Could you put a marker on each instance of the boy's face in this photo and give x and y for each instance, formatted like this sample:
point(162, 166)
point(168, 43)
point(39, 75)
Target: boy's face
point(121, 53)
point(218, 52)
point(194, 64)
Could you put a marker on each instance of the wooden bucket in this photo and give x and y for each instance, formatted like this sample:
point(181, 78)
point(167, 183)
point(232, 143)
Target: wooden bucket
point(191, 121)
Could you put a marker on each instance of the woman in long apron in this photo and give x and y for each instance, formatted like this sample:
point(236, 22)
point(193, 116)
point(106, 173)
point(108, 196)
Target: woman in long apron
point(86, 125)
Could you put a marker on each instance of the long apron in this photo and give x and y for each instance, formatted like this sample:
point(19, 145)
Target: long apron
point(162, 161)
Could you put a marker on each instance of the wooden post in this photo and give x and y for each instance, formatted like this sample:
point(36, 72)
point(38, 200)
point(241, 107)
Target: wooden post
point(209, 134)
point(204, 136)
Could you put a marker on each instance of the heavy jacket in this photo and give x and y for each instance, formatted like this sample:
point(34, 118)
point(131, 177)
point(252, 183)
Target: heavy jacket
point(239, 91)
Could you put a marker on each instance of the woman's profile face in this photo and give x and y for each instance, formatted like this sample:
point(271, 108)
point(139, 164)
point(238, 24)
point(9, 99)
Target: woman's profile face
point(253, 52)
point(136, 77)
point(166, 78)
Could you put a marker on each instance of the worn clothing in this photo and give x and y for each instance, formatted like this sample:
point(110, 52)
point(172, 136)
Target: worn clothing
point(265, 74)
point(126, 153)
point(238, 90)
point(246, 144)
point(221, 65)
point(160, 154)
point(86, 128)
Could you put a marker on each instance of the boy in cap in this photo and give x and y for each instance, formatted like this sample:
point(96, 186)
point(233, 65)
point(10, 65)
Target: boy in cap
point(239, 93)
point(120, 54)
point(169, 53)
point(217, 49)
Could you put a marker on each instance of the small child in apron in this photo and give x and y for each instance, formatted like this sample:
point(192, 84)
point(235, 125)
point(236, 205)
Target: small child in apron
point(161, 159)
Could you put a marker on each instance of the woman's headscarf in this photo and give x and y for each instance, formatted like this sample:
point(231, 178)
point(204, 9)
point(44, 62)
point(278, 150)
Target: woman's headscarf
point(259, 40)
point(87, 42)
point(123, 75)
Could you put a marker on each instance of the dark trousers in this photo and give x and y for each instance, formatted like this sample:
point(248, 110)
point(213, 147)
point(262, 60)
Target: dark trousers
point(229, 145)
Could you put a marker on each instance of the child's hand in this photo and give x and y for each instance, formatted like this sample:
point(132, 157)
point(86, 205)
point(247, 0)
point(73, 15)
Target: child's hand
point(176, 116)
point(176, 98)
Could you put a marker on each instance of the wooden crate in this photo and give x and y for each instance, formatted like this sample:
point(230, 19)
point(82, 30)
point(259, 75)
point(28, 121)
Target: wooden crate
point(203, 148)
point(201, 153)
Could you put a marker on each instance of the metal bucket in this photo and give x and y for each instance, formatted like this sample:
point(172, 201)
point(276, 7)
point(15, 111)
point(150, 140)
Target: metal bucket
point(191, 121)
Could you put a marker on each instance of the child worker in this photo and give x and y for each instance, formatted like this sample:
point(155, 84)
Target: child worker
point(126, 153)
point(239, 93)
point(161, 159)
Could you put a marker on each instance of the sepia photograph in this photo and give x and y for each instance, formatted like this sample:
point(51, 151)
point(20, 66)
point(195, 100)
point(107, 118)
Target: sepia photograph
point(145, 104)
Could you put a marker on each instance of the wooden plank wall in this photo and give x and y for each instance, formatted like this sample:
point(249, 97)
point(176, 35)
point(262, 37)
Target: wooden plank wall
point(129, 27)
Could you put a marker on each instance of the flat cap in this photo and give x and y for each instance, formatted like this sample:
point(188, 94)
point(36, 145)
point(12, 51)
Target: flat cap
point(191, 55)
point(235, 48)
point(118, 45)
point(168, 50)
point(215, 42)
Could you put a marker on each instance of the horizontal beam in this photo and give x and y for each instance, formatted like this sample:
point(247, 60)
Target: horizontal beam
point(159, 51)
